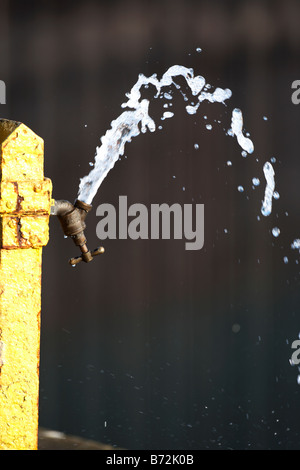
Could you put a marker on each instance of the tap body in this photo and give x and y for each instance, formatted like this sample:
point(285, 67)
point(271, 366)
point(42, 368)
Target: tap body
point(72, 219)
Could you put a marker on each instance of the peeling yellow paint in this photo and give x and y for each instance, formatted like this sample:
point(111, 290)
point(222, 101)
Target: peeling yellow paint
point(25, 200)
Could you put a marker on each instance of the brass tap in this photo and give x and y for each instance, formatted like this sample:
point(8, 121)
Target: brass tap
point(72, 219)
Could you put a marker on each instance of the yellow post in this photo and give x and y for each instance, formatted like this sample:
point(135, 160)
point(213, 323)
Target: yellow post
point(25, 200)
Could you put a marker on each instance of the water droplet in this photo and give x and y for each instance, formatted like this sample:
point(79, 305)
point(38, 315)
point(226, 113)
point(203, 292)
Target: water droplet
point(167, 96)
point(209, 127)
point(285, 260)
point(276, 195)
point(240, 189)
point(265, 118)
point(273, 159)
point(192, 109)
point(244, 153)
point(235, 328)
point(275, 232)
point(196, 146)
point(296, 244)
point(229, 163)
point(255, 181)
point(167, 115)
point(199, 49)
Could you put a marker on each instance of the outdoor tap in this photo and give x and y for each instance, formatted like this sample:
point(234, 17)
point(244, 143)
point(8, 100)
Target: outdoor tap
point(72, 219)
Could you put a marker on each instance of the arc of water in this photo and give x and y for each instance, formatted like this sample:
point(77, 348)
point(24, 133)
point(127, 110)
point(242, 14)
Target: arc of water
point(137, 119)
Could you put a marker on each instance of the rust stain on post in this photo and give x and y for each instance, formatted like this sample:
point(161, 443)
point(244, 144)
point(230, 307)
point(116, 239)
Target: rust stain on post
point(25, 201)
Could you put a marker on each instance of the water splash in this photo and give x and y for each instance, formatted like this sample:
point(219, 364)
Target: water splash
point(237, 130)
point(136, 119)
point(269, 173)
point(296, 244)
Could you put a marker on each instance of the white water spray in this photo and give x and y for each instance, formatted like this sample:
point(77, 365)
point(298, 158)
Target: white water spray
point(237, 129)
point(269, 173)
point(137, 119)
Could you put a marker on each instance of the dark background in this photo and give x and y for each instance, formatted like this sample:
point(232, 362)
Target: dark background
point(140, 348)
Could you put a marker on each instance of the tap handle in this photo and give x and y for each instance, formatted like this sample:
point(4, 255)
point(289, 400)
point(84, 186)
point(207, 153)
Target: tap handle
point(86, 256)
